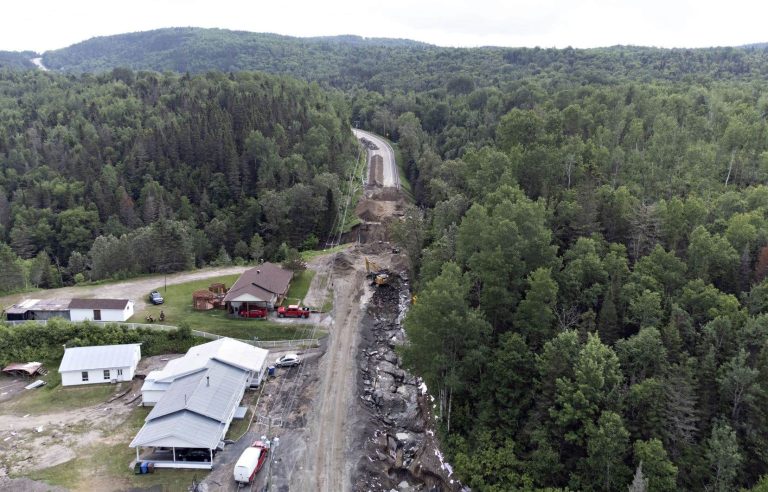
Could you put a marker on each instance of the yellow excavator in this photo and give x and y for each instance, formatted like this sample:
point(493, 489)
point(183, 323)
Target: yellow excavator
point(379, 275)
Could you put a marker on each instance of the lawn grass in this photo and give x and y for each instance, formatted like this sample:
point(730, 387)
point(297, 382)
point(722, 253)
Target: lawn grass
point(178, 309)
point(238, 426)
point(53, 396)
point(299, 287)
point(308, 255)
point(100, 464)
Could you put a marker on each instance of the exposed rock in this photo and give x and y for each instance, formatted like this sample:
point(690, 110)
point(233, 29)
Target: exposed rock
point(403, 436)
point(385, 382)
point(400, 456)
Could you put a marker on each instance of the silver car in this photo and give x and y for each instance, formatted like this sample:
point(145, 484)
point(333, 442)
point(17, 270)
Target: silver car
point(288, 360)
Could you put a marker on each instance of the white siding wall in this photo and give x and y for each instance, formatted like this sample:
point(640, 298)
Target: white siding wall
point(106, 314)
point(96, 376)
point(149, 398)
point(257, 377)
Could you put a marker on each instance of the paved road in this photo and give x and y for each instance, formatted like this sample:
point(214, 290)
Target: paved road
point(391, 176)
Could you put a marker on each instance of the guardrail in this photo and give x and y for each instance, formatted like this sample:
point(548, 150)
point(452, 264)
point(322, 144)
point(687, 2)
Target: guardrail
point(300, 342)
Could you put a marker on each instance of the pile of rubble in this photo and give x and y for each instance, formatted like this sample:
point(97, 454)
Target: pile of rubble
point(400, 453)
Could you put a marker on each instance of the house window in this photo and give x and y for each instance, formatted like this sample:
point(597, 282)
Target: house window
point(106, 374)
point(97, 315)
point(119, 372)
point(84, 375)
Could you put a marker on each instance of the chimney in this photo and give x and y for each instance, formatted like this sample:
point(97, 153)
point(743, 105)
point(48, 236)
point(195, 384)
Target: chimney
point(258, 272)
point(207, 380)
point(185, 399)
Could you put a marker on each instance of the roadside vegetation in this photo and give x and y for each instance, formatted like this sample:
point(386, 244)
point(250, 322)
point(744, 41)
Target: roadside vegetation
point(51, 338)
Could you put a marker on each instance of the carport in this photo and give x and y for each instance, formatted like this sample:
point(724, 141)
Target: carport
point(26, 369)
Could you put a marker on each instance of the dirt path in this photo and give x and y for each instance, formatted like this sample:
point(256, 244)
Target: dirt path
point(326, 467)
point(136, 289)
point(323, 459)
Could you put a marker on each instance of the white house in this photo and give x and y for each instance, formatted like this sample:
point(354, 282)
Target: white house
point(102, 364)
point(193, 414)
point(100, 309)
point(250, 359)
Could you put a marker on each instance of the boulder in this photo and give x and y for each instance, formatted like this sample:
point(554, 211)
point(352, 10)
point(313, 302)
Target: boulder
point(385, 381)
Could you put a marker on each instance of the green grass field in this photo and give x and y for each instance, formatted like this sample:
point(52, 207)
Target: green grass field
point(299, 287)
point(308, 255)
point(54, 397)
point(178, 309)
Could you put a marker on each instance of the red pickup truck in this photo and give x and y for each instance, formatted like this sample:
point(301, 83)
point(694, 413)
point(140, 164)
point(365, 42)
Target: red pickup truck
point(293, 311)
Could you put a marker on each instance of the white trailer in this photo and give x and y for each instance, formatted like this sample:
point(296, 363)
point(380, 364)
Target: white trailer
point(250, 462)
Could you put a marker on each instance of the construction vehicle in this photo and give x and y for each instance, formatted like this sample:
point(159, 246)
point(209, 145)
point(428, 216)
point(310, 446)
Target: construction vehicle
point(379, 275)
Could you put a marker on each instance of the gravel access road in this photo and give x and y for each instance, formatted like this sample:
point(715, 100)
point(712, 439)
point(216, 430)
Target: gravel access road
point(135, 289)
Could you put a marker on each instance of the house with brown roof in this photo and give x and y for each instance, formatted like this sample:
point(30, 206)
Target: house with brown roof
point(100, 309)
point(264, 286)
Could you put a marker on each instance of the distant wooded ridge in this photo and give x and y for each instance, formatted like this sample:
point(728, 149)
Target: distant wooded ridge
point(379, 64)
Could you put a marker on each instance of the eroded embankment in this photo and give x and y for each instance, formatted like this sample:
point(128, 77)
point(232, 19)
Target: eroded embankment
point(399, 449)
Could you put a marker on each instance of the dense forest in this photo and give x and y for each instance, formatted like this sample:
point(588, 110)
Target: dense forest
point(124, 173)
point(591, 289)
point(589, 236)
point(17, 59)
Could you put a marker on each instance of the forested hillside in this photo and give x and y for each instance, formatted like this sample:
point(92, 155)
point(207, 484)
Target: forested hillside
point(384, 64)
point(125, 173)
point(17, 59)
point(592, 290)
point(589, 245)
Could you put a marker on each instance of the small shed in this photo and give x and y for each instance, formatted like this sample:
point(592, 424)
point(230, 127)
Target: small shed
point(203, 300)
point(218, 288)
point(99, 364)
point(100, 309)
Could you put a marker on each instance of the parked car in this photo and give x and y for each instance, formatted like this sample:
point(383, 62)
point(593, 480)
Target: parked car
point(194, 454)
point(288, 360)
point(253, 313)
point(293, 311)
point(155, 297)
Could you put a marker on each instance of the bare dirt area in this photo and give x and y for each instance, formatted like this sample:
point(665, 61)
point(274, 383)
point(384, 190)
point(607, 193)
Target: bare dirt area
point(280, 411)
point(367, 427)
point(32, 442)
point(136, 289)
point(10, 387)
